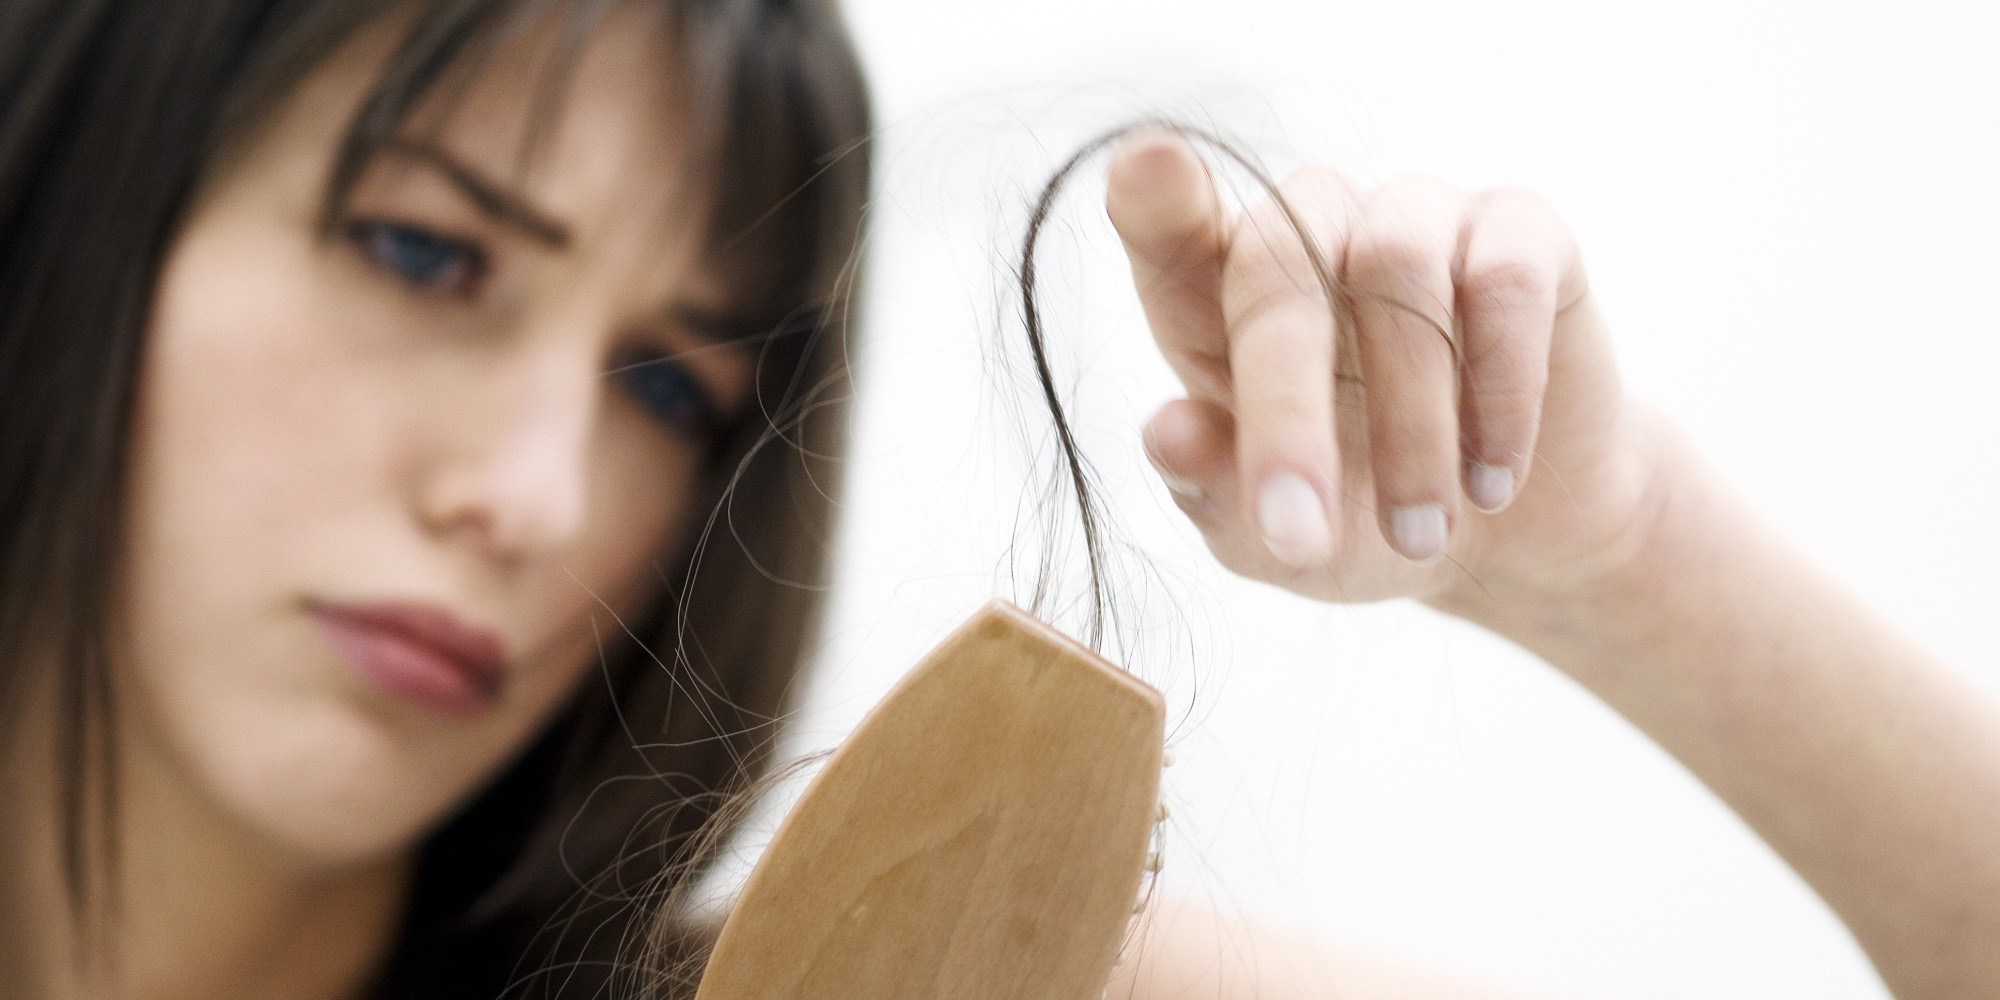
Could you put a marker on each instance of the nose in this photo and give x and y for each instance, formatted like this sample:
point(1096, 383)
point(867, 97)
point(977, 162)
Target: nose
point(515, 474)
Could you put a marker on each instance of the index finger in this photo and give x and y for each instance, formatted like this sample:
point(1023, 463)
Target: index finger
point(1163, 203)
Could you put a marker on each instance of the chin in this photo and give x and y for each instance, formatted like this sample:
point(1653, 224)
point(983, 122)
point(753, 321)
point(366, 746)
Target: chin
point(328, 785)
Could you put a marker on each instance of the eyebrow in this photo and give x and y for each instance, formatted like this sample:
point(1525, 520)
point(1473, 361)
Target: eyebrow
point(492, 199)
point(714, 328)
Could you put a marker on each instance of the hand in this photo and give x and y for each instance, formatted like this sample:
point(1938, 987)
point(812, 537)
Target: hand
point(1345, 453)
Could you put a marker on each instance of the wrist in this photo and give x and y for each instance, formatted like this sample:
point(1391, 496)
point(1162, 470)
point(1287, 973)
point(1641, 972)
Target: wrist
point(1584, 591)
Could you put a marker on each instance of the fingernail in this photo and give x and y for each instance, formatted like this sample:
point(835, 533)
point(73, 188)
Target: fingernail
point(1491, 486)
point(1293, 520)
point(1185, 487)
point(1418, 531)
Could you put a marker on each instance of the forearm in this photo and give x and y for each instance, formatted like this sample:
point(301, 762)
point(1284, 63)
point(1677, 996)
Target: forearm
point(1873, 770)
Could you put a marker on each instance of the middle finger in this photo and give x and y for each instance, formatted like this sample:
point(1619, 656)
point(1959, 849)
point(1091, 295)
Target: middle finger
point(1397, 272)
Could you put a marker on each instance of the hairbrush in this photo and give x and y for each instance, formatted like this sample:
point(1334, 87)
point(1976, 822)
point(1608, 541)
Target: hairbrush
point(982, 835)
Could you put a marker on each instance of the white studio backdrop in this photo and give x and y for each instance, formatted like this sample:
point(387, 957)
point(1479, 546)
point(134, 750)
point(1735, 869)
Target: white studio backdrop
point(1790, 214)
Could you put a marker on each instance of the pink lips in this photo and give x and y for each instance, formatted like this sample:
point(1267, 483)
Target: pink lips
point(421, 652)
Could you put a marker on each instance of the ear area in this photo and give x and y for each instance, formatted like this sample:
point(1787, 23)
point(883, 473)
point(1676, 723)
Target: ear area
point(981, 836)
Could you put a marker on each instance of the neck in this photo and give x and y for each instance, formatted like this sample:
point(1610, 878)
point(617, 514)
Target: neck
point(204, 907)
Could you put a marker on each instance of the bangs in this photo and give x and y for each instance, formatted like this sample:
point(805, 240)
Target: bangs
point(765, 120)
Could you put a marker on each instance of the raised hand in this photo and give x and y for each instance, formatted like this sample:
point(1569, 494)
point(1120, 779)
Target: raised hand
point(1343, 449)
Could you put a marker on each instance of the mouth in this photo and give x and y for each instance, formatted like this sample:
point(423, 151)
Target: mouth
point(418, 652)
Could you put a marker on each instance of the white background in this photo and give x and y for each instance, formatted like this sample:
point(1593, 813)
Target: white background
point(1789, 212)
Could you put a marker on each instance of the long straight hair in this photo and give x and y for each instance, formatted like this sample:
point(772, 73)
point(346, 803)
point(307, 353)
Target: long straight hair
point(112, 112)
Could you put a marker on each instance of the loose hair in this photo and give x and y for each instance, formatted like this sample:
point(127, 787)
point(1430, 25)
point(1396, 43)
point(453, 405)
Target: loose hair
point(112, 113)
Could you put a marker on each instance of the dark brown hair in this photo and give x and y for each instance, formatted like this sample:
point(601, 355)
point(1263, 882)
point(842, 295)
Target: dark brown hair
point(111, 114)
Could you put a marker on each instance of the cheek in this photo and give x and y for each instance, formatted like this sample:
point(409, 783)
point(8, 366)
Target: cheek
point(255, 449)
point(247, 454)
point(242, 428)
point(642, 508)
point(232, 451)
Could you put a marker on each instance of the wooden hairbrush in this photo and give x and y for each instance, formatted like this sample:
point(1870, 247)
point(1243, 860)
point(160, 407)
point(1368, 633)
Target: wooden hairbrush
point(982, 835)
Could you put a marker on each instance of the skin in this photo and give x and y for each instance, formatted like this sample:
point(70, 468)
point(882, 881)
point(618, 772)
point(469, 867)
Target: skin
point(1525, 492)
point(319, 419)
point(312, 426)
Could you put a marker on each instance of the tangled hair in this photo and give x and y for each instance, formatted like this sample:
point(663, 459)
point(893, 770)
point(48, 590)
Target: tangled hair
point(112, 114)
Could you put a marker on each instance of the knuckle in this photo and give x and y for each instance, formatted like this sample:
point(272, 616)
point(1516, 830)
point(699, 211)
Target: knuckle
point(1380, 256)
point(1313, 204)
point(1260, 308)
point(1408, 228)
point(1508, 281)
point(1267, 252)
point(1299, 220)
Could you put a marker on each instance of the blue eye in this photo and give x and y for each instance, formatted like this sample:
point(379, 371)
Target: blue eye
point(428, 260)
point(669, 393)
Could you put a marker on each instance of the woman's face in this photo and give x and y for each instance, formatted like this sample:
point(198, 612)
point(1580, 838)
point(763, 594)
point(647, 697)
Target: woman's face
point(391, 489)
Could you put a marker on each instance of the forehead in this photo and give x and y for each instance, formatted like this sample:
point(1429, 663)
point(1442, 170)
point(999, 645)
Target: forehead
point(586, 118)
point(581, 116)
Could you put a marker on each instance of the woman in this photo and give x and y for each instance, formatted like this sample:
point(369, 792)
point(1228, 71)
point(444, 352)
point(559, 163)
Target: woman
point(370, 370)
